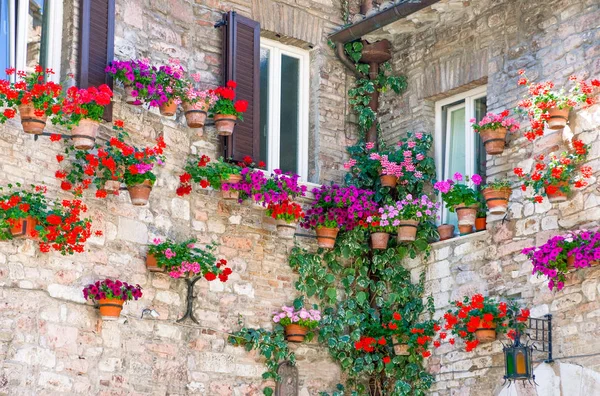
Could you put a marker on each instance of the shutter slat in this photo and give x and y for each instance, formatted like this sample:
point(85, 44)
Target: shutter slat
point(241, 38)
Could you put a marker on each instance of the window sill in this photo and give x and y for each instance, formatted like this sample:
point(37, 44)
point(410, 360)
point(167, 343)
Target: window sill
point(460, 239)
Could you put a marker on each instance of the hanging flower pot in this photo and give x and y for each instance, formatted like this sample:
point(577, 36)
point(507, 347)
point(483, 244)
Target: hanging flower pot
point(497, 199)
point(24, 227)
point(295, 333)
point(168, 109)
point(379, 240)
point(407, 230)
point(226, 191)
point(152, 265)
point(31, 123)
point(140, 193)
point(400, 348)
point(465, 229)
point(494, 140)
point(129, 98)
point(110, 308)
point(466, 214)
point(84, 134)
point(225, 124)
point(555, 192)
point(195, 114)
point(388, 180)
point(326, 237)
point(112, 186)
point(558, 117)
point(571, 262)
point(285, 230)
point(486, 332)
point(480, 223)
point(446, 231)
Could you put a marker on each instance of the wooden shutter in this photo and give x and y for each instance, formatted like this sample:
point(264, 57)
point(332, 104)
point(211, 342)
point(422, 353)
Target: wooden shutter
point(241, 63)
point(96, 44)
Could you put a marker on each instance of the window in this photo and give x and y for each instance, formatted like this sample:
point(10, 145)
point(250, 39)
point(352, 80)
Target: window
point(284, 83)
point(457, 147)
point(31, 34)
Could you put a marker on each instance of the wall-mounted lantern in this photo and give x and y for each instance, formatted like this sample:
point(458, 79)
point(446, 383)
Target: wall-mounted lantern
point(518, 361)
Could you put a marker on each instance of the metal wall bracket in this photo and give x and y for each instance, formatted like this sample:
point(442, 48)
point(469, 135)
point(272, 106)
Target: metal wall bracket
point(62, 135)
point(540, 334)
point(189, 312)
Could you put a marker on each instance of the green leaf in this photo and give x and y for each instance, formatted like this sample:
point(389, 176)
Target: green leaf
point(361, 297)
point(331, 293)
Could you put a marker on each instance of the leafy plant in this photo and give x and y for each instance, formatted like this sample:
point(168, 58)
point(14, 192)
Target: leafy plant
point(288, 211)
point(64, 229)
point(17, 203)
point(495, 121)
point(225, 104)
point(30, 89)
point(455, 193)
point(265, 190)
point(113, 290)
point(499, 184)
point(84, 103)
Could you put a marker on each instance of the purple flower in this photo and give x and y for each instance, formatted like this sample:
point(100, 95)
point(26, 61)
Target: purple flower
point(476, 179)
point(458, 176)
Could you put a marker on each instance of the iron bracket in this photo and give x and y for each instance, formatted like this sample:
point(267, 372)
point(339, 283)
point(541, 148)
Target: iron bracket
point(62, 135)
point(541, 334)
point(189, 312)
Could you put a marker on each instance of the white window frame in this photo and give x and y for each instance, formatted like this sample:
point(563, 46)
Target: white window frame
point(469, 98)
point(18, 52)
point(273, 142)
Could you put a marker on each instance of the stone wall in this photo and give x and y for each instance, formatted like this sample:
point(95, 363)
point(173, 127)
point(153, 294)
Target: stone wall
point(53, 342)
point(488, 41)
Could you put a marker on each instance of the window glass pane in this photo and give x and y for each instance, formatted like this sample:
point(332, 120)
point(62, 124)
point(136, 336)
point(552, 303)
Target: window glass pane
point(36, 22)
point(4, 37)
point(456, 141)
point(265, 57)
point(290, 113)
point(480, 165)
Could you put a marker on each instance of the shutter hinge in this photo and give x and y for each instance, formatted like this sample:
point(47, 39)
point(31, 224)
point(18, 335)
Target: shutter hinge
point(222, 22)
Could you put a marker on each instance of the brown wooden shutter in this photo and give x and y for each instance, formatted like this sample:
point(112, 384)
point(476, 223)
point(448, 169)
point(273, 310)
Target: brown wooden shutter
point(241, 63)
point(96, 44)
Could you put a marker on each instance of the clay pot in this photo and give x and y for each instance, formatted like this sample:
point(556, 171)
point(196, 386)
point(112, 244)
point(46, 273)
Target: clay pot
point(466, 214)
point(285, 230)
point(558, 117)
point(446, 231)
point(225, 124)
point(326, 237)
point(407, 230)
point(571, 263)
point(112, 186)
point(84, 134)
point(140, 193)
point(295, 333)
point(24, 228)
point(485, 334)
point(168, 109)
point(230, 193)
point(31, 123)
point(152, 265)
point(233, 179)
point(480, 223)
point(388, 180)
point(497, 199)
point(494, 140)
point(400, 349)
point(129, 98)
point(379, 240)
point(465, 229)
point(110, 308)
point(559, 195)
point(195, 114)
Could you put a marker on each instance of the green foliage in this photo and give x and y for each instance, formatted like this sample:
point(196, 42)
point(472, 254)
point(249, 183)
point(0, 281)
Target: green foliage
point(212, 172)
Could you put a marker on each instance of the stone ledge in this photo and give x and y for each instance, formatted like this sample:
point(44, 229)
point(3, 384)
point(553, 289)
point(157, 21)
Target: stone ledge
point(461, 239)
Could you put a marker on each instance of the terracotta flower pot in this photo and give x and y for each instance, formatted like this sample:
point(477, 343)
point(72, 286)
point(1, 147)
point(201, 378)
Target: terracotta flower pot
point(112, 186)
point(485, 333)
point(229, 193)
point(110, 308)
point(24, 228)
point(285, 230)
point(195, 114)
point(497, 199)
point(295, 333)
point(129, 98)
point(400, 349)
point(31, 123)
point(168, 109)
point(558, 195)
point(480, 223)
point(465, 229)
point(388, 180)
point(494, 140)
point(571, 262)
point(84, 134)
point(326, 237)
point(446, 231)
point(152, 264)
point(225, 124)
point(140, 193)
point(379, 240)
point(466, 214)
point(558, 117)
point(407, 230)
